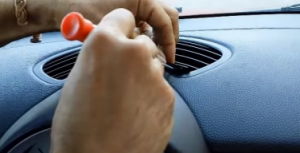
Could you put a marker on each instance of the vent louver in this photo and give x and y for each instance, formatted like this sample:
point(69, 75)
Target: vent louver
point(190, 56)
point(60, 67)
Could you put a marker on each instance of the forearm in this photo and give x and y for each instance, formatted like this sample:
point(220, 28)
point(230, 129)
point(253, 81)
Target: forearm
point(40, 19)
point(46, 15)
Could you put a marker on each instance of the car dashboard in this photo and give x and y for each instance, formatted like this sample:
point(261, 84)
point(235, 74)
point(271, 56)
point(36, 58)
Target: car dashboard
point(246, 100)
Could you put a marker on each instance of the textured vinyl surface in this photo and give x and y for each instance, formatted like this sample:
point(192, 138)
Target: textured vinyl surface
point(251, 103)
point(20, 89)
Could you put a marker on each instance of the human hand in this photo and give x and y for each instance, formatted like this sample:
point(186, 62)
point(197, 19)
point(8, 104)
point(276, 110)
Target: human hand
point(115, 98)
point(160, 16)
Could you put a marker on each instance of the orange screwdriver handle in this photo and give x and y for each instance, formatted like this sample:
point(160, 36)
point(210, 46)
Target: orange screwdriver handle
point(75, 27)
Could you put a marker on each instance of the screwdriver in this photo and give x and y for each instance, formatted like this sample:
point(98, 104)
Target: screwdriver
point(75, 27)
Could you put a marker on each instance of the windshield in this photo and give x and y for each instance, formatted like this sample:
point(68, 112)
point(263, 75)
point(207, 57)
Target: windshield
point(193, 7)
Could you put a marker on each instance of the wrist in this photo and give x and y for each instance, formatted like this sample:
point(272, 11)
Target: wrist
point(41, 15)
point(89, 9)
point(63, 7)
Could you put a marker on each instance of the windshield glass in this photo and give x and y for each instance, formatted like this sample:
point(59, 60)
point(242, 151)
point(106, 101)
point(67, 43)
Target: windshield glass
point(193, 7)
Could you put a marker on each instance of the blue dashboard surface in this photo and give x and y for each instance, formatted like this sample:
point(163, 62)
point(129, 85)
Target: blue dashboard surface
point(20, 89)
point(250, 103)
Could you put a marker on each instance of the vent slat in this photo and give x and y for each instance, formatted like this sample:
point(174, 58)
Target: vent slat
point(209, 52)
point(195, 62)
point(61, 62)
point(204, 50)
point(185, 65)
point(197, 55)
point(181, 65)
point(59, 75)
point(62, 58)
point(63, 76)
point(198, 45)
point(62, 68)
point(190, 56)
point(184, 42)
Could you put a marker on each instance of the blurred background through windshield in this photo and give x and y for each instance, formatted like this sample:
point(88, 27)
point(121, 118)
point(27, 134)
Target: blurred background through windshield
point(226, 6)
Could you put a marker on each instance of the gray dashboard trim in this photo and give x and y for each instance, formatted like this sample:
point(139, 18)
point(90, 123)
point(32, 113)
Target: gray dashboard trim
point(187, 136)
point(40, 116)
point(33, 143)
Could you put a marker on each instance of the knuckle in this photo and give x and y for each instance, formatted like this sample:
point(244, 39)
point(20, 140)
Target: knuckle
point(174, 13)
point(132, 50)
point(169, 23)
point(139, 50)
point(134, 56)
point(122, 11)
point(170, 98)
point(147, 3)
point(101, 43)
point(103, 35)
point(116, 13)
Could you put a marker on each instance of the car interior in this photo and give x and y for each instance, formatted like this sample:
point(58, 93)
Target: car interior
point(236, 80)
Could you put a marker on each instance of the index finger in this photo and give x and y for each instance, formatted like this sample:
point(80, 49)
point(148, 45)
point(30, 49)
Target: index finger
point(151, 12)
point(174, 16)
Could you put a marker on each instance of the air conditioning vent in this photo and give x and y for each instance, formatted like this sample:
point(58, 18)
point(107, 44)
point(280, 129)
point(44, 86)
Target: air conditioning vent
point(60, 67)
point(190, 56)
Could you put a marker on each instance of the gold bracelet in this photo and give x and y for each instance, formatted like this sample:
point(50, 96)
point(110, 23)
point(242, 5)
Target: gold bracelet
point(21, 13)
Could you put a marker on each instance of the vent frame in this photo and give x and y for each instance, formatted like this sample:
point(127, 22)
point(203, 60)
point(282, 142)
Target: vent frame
point(38, 68)
point(226, 54)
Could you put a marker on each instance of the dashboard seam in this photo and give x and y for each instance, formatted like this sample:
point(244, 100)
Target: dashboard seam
point(229, 29)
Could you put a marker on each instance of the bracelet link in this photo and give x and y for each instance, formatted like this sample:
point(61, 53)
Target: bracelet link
point(20, 12)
